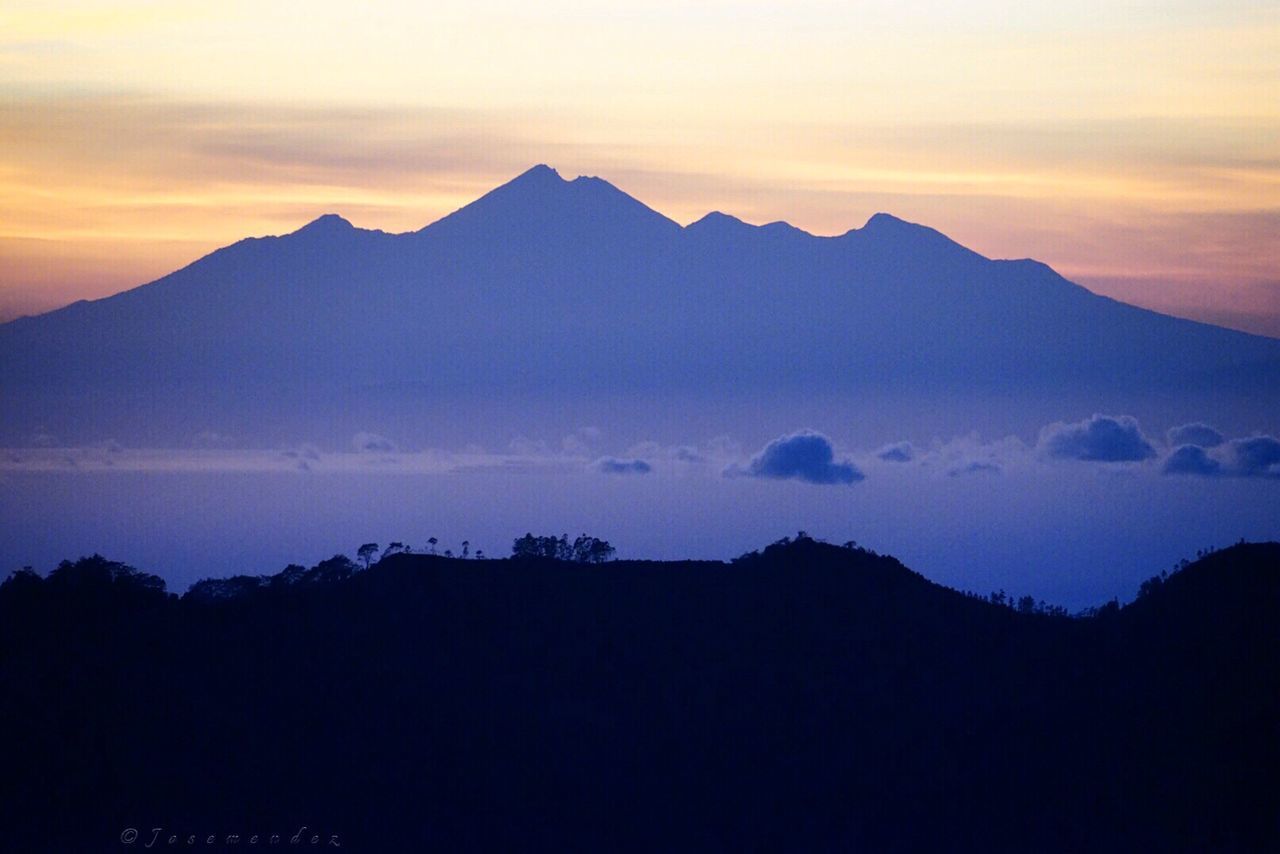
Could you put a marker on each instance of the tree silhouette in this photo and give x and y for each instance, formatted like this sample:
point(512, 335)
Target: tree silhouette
point(98, 576)
point(23, 581)
point(222, 589)
point(431, 541)
point(584, 549)
point(336, 568)
point(366, 553)
point(591, 550)
point(526, 546)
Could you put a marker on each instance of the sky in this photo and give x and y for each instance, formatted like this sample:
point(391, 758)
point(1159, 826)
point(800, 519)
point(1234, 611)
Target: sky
point(1134, 146)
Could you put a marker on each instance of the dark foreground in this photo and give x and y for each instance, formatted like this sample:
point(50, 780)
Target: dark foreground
point(811, 698)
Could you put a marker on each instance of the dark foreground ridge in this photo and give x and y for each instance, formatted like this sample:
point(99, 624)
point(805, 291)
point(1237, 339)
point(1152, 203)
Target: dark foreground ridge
point(807, 698)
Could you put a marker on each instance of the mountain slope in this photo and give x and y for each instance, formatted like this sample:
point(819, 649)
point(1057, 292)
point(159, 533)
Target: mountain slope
point(575, 288)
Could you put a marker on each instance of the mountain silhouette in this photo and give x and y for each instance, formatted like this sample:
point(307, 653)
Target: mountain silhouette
point(547, 286)
point(804, 698)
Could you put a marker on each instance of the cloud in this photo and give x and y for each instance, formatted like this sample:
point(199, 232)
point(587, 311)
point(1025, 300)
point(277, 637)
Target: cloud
point(648, 449)
point(303, 457)
point(617, 465)
point(42, 439)
point(899, 452)
point(974, 467)
point(806, 456)
point(651, 450)
point(581, 441)
point(1190, 459)
point(1102, 438)
point(212, 439)
point(305, 451)
point(970, 454)
point(523, 446)
point(1256, 456)
point(1195, 434)
point(724, 448)
point(372, 443)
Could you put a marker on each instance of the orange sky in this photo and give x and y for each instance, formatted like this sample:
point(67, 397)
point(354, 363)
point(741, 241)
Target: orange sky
point(1134, 146)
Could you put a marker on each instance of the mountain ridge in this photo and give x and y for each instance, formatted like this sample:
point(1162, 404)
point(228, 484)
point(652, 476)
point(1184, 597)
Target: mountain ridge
point(577, 288)
point(541, 177)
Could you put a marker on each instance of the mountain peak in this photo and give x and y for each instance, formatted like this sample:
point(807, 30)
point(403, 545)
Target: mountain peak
point(539, 199)
point(717, 220)
point(781, 226)
point(327, 224)
point(884, 221)
point(899, 235)
point(541, 174)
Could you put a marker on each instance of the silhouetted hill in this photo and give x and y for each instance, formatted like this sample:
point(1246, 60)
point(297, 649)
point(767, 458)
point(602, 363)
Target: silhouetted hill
point(805, 698)
point(548, 288)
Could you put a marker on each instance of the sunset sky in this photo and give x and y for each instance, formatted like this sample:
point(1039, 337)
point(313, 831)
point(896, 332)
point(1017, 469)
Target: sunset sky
point(1134, 146)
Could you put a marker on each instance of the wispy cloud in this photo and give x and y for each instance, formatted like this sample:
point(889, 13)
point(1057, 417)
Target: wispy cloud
point(971, 454)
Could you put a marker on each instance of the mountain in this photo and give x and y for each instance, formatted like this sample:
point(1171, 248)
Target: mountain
point(547, 288)
point(804, 698)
